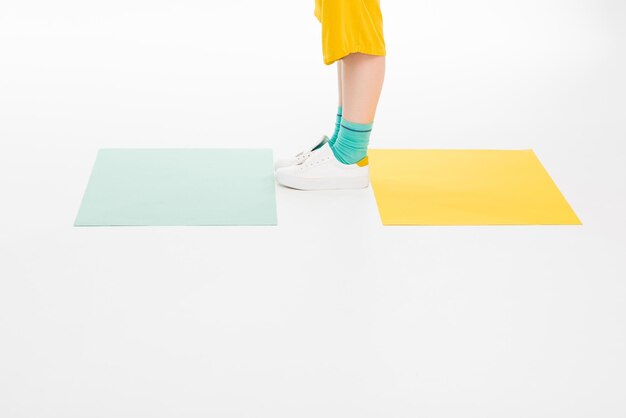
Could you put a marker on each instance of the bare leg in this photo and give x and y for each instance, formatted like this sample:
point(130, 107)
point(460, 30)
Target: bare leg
point(362, 83)
point(340, 81)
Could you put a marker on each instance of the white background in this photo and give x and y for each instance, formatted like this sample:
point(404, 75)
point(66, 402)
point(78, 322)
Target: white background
point(329, 314)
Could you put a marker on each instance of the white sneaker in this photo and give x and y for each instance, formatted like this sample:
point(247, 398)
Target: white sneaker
point(322, 171)
point(301, 156)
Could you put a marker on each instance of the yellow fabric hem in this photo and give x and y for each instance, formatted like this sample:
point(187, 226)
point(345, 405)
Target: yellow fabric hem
point(371, 51)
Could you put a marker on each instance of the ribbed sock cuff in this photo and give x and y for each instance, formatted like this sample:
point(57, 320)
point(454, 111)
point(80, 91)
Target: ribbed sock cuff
point(352, 142)
point(357, 127)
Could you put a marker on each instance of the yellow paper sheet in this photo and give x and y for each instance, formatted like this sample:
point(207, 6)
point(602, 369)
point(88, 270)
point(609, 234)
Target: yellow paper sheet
point(465, 187)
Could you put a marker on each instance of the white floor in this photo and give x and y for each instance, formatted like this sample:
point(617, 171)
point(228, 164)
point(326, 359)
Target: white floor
point(329, 314)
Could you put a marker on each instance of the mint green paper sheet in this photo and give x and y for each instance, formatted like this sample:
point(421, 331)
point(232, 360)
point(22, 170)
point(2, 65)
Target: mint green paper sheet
point(171, 186)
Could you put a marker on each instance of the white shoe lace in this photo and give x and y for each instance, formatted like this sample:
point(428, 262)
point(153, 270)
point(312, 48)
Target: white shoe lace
point(301, 157)
point(304, 155)
point(313, 162)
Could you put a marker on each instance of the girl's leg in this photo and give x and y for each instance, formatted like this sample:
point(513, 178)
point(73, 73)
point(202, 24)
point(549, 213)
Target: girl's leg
point(362, 83)
point(363, 77)
point(333, 139)
point(340, 81)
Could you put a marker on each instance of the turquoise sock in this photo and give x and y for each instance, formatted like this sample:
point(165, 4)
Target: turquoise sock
point(332, 140)
point(352, 141)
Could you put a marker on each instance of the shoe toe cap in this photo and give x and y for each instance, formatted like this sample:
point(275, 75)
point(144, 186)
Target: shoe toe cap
point(283, 174)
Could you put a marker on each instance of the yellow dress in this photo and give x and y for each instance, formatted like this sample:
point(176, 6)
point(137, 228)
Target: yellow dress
point(350, 26)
